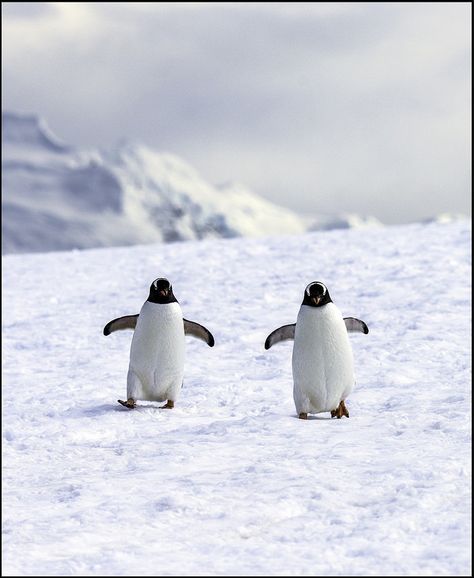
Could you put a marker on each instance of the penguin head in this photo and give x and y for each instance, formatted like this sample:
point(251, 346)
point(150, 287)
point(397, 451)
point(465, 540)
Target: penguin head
point(316, 294)
point(161, 291)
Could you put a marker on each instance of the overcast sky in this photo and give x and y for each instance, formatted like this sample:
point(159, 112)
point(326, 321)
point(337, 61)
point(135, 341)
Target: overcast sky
point(322, 107)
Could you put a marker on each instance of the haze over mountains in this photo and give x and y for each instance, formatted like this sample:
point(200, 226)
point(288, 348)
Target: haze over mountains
point(57, 197)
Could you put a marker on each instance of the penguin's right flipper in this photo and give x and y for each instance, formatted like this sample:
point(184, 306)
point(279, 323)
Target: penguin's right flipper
point(199, 331)
point(353, 325)
point(127, 322)
point(281, 334)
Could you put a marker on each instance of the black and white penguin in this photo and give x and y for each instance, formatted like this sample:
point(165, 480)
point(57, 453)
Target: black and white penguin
point(156, 365)
point(323, 368)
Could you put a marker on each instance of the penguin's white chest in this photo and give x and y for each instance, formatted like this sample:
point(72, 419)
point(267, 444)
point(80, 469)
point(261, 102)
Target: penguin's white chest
point(323, 368)
point(157, 350)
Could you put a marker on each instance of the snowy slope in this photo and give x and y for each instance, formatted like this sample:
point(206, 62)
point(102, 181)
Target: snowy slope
point(56, 197)
point(230, 482)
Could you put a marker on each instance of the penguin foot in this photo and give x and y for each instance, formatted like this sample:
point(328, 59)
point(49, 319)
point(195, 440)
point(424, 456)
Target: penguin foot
point(345, 411)
point(168, 405)
point(130, 403)
point(303, 416)
point(340, 410)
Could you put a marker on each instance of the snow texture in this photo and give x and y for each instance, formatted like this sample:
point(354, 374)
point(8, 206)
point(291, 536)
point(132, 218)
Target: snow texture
point(230, 482)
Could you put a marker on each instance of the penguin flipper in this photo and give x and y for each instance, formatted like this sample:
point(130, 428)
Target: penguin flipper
point(281, 334)
point(353, 325)
point(199, 331)
point(127, 322)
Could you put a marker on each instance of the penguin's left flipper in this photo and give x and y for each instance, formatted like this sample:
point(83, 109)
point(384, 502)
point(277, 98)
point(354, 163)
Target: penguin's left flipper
point(281, 334)
point(353, 325)
point(199, 331)
point(127, 322)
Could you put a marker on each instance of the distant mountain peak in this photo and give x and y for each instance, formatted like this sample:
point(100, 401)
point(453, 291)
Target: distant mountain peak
point(29, 130)
point(57, 197)
point(124, 195)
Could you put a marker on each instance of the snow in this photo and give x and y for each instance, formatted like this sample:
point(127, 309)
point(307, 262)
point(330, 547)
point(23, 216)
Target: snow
point(56, 197)
point(230, 482)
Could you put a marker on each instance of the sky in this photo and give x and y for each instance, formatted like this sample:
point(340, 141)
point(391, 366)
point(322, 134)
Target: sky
point(320, 107)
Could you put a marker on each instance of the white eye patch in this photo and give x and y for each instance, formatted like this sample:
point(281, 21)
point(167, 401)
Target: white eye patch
point(156, 281)
point(308, 288)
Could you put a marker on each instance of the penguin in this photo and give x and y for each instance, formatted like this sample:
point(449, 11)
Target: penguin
point(322, 361)
point(156, 366)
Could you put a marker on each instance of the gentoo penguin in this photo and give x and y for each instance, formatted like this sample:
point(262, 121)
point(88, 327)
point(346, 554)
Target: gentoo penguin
point(156, 365)
point(323, 369)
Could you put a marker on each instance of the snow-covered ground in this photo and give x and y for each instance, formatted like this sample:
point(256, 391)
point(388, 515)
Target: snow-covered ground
point(230, 482)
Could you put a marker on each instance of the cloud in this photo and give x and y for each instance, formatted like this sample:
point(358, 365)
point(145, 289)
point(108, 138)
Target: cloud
point(26, 10)
point(319, 106)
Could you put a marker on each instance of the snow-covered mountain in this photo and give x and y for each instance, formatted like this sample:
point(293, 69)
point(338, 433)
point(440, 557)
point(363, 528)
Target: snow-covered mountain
point(57, 197)
point(231, 482)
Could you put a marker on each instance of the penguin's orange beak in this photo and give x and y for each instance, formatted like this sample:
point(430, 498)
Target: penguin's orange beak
point(316, 299)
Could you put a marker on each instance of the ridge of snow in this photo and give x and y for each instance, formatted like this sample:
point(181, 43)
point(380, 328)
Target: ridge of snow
point(28, 130)
point(343, 221)
point(59, 198)
point(56, 197)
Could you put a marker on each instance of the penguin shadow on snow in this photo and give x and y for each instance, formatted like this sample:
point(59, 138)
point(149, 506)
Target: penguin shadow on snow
point(99, 410)
point(107, 408)
point(91, 411)
point(314, 417)
point(140, 408)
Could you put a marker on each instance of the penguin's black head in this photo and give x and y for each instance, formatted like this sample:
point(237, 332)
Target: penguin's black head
point(161, 291)
point(316, 294)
